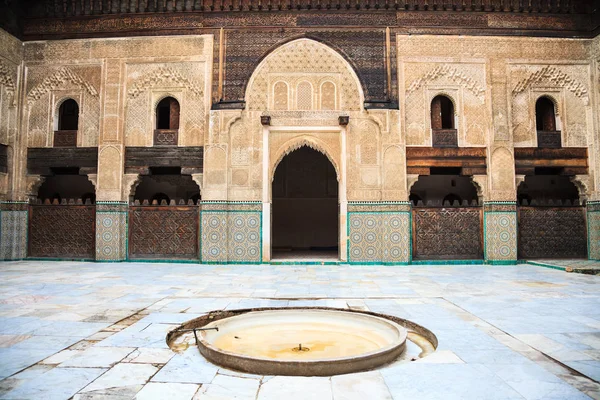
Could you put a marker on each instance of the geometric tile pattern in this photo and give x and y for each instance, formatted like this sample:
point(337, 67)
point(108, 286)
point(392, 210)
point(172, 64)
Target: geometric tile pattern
point(231, 232)
point(244, 236)
point(500, 231)
point(13, 230)
point(379, 232)
point(593, 222)
point(111, 231)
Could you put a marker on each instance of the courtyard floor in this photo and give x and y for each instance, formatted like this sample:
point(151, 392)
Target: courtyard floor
point(97, 331)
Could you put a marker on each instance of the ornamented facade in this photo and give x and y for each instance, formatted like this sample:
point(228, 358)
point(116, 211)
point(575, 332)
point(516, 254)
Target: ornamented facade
point(235, 132)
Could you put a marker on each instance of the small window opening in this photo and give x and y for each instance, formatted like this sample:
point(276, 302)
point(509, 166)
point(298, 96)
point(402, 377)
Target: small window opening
point(545, 116)
point(68, 116)
point(167, 114)
point(442, 113)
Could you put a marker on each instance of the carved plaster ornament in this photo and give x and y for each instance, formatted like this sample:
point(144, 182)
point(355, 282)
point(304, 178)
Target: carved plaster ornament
point(556, 77)
point(162, 75)
point(54, 81)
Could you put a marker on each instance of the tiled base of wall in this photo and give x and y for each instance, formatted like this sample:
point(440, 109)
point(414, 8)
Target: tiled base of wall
point(593, 222)
point(379, 232)
point(111, 231)
point(13, 230)
point(500, 232)
point(231, 232)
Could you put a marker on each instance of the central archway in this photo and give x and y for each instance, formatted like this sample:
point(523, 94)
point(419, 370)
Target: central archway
point(305, 207)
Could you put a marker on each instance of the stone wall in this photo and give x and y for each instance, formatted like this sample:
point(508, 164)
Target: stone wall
point(304, 87)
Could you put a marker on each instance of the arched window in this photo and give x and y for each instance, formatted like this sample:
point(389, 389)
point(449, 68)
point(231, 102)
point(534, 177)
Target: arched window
point(68, 116)
point(167, 122)
point(328, 96)
point(442, 122)
point(545, 118)
point(442, 113)
point(67, 124)
point(304, 96)
point(280, 96)
point(545, 121)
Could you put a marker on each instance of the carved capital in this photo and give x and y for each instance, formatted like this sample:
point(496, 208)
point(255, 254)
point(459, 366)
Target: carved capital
point(411, 179)
point(584, 185)
point(33, 183)
point(198, 178)
point(518, 180)
point(481, 184)
point(130, 184)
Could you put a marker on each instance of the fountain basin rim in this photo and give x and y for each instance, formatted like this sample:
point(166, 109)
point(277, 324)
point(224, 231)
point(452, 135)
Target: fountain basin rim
point(313, 367)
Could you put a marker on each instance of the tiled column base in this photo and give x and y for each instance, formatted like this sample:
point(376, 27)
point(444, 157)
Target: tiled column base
point(593, 226)
point(231, 232)
point(111, 231)
point(500, 232)
point(379, 232)
point(13, 230)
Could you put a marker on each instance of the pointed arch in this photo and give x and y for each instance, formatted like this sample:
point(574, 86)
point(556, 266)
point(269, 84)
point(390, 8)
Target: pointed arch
point(295, 144)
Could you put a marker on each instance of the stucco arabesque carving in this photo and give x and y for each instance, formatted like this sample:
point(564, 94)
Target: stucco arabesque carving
point(555, 77)
point(7, 80)
point(164, 74)
point(57, 79)
point(451, 73)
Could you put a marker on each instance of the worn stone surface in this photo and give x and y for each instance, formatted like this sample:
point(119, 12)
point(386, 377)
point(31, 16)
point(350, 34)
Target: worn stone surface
point(504, 332)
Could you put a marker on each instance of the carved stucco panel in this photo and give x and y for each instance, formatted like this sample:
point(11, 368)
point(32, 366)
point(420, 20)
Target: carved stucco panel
point(307, 57)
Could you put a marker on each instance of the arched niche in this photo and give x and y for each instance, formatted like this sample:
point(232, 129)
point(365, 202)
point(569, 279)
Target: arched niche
point(310, 57)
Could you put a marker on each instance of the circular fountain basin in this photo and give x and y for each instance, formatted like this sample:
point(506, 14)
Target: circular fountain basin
point(302, 342)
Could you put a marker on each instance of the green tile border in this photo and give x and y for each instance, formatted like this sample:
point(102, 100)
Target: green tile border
point(545, 265)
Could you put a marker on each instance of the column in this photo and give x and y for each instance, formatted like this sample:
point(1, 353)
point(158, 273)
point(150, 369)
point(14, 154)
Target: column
point(111, 207)
point(593, 227)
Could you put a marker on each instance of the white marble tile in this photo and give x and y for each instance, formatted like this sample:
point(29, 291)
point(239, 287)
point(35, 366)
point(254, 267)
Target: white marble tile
point(295, 388)
point(367, 385)
point(98, 357)
point(170, 391)
point(58, 383)
point(225, 387)
point(144, 355)
point(122, 375)
point(61, 356)
point(189, 367)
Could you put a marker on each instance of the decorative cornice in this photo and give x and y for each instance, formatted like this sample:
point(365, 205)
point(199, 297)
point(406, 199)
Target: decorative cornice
point(164, 74)
point(57, 79)
point(453, 74)
point(555, 77)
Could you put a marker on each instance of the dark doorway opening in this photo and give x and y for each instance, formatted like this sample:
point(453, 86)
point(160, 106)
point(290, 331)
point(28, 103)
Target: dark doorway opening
point(305, 207)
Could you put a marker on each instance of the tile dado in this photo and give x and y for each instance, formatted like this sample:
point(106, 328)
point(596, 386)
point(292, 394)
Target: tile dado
point(111, 231)
point(379, 232)
point(231, 232)
point(593, 222)
point(500, 232)
point(13, 230)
